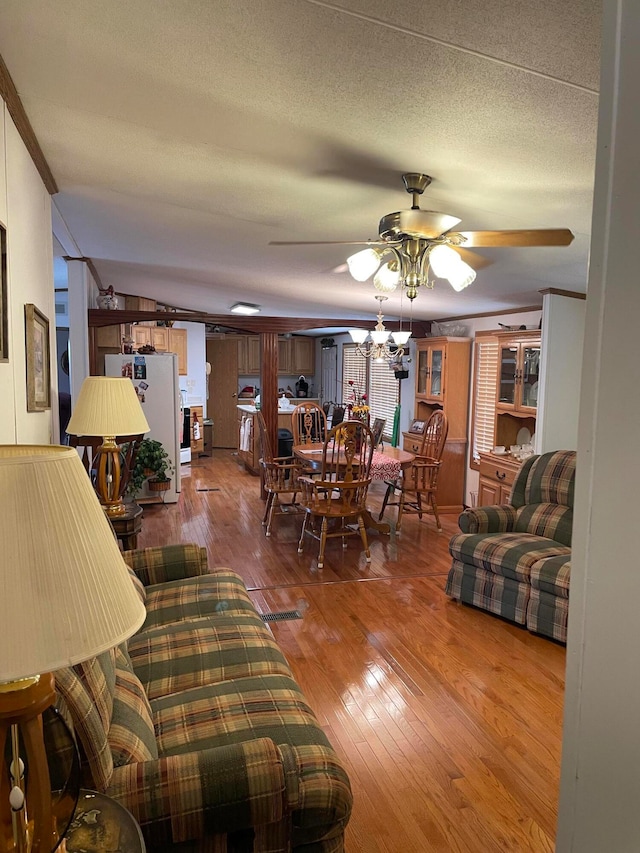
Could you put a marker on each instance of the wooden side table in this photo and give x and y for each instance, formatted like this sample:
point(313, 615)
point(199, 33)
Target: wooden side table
point(101, 825)
point(128, 525)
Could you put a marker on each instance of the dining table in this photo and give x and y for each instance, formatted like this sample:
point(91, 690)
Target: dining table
point(386, 464)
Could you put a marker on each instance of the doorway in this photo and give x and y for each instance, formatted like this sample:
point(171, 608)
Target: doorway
point(223, 391)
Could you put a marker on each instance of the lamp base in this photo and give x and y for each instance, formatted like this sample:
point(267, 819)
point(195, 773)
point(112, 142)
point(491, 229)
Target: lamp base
point(21, 705)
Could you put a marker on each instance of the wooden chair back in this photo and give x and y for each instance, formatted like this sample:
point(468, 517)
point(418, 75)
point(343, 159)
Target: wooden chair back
point(377, 429)
point(435, 436)
point(308, 424)
point(337, 416)
point(347, 453)
point(280, 477)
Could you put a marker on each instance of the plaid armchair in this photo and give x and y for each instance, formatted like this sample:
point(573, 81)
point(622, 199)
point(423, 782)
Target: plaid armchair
point(197, 725)
point(514, 560)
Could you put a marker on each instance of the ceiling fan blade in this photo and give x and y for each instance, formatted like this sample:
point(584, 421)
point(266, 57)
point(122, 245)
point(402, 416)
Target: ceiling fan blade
point(475, 261)
point(328, 243)
point(535, 237)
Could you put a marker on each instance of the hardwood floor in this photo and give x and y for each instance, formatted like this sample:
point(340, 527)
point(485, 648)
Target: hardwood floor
point(448, 719)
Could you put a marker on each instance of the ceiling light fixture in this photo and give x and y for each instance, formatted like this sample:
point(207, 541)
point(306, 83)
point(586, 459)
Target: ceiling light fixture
point(379, 349)
point(245, 308)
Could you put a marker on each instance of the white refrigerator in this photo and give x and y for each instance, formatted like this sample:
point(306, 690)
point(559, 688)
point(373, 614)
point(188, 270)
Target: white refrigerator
point(155, 378)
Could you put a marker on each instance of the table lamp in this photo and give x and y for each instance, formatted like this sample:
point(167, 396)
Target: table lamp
point(65, 596)
point(106, 407)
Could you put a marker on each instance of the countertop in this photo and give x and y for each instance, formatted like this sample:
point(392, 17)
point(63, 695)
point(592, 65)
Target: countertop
point(251, 409)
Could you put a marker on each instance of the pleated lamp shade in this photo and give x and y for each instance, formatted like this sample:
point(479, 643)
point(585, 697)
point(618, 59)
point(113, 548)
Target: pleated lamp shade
point(65, 591)
point(107, 405)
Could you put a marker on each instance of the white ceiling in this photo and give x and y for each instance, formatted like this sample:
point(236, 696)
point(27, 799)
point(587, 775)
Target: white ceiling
point(184, 136)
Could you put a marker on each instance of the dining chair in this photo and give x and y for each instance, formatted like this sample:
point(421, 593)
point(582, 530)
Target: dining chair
point(338, 497)
point(377, 429)
point(308, 424)
point(419, 484)
point(337, 415)
point(280, 478)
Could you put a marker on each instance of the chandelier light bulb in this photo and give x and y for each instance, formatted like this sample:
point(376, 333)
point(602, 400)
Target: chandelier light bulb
point(363, 264)
point(386, 280)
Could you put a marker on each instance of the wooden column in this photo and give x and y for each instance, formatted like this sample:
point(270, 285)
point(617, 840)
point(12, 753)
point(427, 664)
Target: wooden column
point(269, 387)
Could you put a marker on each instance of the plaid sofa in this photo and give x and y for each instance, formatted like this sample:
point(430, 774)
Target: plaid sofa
point(197, 725)
point(515, 560)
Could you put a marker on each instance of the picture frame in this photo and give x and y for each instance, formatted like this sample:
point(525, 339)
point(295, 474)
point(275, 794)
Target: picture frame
point(418, 427)
point(4, 318)
point(38, 359)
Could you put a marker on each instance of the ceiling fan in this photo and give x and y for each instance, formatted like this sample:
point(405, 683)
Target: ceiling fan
point(418, 242)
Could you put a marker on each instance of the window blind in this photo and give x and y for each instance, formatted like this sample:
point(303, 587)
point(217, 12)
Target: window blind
point(383, 394)
point(354, 368)
point(484, 395)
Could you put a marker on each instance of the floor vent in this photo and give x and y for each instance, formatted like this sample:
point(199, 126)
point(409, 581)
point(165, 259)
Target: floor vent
point(282, 616)
point(208, 489)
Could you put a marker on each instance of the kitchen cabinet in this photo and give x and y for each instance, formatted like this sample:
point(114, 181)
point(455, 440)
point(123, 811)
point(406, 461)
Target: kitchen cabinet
point(178, 343)
point(517, 381)
point(141, 336)
point(160, 338)
point(442, 383)
point(303, 355)
point(296, 355)
point(285, 364)
point(497, 474)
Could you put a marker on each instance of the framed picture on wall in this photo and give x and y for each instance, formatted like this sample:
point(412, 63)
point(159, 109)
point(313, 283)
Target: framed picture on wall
point(4, 320)
point(38, 360)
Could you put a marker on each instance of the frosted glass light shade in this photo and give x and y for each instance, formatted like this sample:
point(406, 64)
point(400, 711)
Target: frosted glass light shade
point(107, 405)
point(358, 336)
point(386, 280)
point(461, 276)
point(443, 259)
point(379, 337)
point(65, 592)
point(400, 338)
point(363, 264)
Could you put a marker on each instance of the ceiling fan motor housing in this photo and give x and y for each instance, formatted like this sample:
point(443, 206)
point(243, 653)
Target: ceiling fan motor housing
point(415, 224)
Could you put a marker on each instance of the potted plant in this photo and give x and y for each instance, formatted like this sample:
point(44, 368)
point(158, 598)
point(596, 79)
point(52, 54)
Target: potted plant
point(152, 464)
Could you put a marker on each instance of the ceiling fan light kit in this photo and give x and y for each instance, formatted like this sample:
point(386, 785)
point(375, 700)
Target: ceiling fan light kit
point(421, 242)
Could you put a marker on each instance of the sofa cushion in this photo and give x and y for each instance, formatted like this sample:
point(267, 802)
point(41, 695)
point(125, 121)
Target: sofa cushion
point(97, 762)
point(195, 597)
point(138, 585)
point(197, 652)
point(167, 563)
point(552, 575)
point(551, 479)
point(99, 678)
point(508, 554)
point(131, 735)
point(552, 521)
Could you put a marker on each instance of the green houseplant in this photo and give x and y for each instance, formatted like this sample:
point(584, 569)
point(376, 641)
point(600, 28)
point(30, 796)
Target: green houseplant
point(152, 464)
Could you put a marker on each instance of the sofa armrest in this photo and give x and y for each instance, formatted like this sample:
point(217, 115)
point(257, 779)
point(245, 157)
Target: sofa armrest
point(225, 789)
point(168, 563)
point(488, 519)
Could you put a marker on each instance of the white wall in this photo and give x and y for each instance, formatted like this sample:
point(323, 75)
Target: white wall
point(601, 748)
point(195, 382)
point(563, 320)
point(25, 210)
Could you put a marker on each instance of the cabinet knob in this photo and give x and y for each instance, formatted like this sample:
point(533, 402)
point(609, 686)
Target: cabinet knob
point(500, 476)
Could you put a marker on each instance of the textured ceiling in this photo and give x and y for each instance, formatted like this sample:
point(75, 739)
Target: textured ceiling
point(186, 136)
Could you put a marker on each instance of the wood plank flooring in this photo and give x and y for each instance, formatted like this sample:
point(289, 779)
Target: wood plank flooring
point(448, 719)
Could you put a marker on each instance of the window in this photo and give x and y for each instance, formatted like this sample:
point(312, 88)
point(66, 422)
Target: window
point(377, 380)
point(484, 396)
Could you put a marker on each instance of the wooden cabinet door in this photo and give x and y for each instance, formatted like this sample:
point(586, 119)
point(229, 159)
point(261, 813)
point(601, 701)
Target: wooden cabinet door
point(160, 338)
point(178, 343)
point(488, 493)
point(253, 354)
point(303, 352)
point(222, 355)
point(109, 336)
point(141, 336)
point(284, 355)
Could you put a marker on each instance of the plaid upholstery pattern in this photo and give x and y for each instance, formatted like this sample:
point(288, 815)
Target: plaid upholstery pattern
point(137, 583)
point(219, 592)
point(171, 562)
point(131, 735)
point(551, 479)
point(97, 762)
point(99, 678)
point(488, 519)
point(527, 544)
point(192, 654)
point(548, 615)
point(489, 591)
point(509, 554)
point(215, 792)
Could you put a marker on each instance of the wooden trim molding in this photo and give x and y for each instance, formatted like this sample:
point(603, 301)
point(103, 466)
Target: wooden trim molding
point(571, 294)
point(515, 310)
point(17, 112)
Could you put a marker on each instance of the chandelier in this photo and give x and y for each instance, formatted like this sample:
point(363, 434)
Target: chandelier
point(379, 348)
